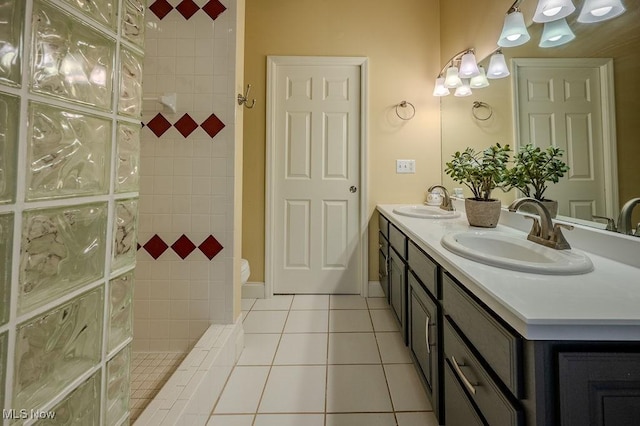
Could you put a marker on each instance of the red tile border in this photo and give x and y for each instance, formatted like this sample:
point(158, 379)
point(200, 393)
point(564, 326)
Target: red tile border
point(183, 247)
point(186, 125)
point(159, 125)
point(161, 8)
point(187, 8)
point(213, 8)
point(212, 125)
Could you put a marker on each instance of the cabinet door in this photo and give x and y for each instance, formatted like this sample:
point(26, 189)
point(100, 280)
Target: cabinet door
point(459, 410)
point(383, 272)
point(397, 285)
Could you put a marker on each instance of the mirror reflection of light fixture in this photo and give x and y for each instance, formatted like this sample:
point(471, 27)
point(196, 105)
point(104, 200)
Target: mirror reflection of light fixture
point(439, 89)
point(480, 81)
point(600, 10)
point(498, 66)
point(556, 33)
point(462, 65)
point(452, 80)
point(552, 10)
point(464, 90)
point(514, 30)
point(468, 65)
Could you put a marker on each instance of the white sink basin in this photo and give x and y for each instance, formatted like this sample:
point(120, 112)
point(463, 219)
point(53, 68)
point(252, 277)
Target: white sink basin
point(515, 252)
point(426, 212)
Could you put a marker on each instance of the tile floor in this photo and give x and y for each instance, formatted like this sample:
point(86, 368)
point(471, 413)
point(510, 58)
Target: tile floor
point(149, 372)
point(322, 361)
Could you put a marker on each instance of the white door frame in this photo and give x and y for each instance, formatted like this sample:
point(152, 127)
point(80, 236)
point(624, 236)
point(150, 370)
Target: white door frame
point(607, 96)
point(272, 63)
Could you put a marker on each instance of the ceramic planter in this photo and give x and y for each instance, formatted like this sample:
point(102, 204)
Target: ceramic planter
point(484, 214)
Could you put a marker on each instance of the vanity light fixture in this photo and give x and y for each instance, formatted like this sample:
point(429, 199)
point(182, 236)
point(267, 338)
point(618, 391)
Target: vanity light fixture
point(556, 33)
point(452, 80)
point(468, 65)
point(498, 66)
point(439, 89)
point(552, 10)
point(514, 30)
point(462, 65)
point(600, 10)
point(480, 81)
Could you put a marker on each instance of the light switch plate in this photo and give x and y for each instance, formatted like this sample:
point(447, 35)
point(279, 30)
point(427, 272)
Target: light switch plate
point(405, 166)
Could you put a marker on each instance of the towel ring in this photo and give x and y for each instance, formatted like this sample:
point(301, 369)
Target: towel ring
point(404, 104)
point(477, 105)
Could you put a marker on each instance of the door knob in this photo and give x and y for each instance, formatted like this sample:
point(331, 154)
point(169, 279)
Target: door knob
point(353, 189)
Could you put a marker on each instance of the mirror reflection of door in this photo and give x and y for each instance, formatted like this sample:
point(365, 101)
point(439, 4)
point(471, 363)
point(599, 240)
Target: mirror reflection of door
point(565, 103)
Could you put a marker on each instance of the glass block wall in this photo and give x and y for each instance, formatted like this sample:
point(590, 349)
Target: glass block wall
point(70, 115)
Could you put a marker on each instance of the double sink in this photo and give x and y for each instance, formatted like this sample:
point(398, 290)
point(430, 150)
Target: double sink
point(501, 249)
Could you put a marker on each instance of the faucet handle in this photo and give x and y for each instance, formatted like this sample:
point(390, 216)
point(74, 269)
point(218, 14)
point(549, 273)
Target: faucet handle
point(535, 227)
point(637, 233)
point(558, 238)
point(611, 224)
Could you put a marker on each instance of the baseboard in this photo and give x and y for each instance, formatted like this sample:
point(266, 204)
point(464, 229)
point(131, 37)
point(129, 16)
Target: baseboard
point(375, 289)
point(253, 291)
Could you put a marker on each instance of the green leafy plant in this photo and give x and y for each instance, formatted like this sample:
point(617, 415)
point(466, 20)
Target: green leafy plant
point(533, 168)
point(482, 171)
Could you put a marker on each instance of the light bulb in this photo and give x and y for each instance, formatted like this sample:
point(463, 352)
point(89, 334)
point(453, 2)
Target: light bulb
point(556, 33)
point(464, 90)
point(552, 10)
point(439, 89)
point(600, 10)
point(497, 66)
point(452, 80)
point(468, 66)
point(479, 81)
point(514, 31)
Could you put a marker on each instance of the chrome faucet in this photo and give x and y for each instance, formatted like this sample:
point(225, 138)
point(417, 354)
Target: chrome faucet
point(544, 231)
point(624, 219)
point(446, 200)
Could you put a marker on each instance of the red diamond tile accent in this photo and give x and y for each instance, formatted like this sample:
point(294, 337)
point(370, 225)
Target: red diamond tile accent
point(185, 125)
point(159, 125)
point(161, 8)
point(212, 125)
point(183, 246)
point(187, 8)
point(155, 246)
point(213, 8)
point(210, 247)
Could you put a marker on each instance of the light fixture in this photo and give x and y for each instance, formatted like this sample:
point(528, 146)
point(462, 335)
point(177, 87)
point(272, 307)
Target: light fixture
point(480, 81)
point(452, 80)
point(464, 90)
point(468, 65)
point(552, 10)
point(600, 10)
point(439, 89)
point(514, 30)
point(556, 33)
point(497, 66)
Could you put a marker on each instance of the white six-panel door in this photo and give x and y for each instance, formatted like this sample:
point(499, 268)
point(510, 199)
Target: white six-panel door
point(316, 179)
point(559, 103)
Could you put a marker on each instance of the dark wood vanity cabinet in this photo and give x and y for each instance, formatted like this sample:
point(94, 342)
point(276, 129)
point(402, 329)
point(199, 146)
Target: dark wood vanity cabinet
point(383, 254)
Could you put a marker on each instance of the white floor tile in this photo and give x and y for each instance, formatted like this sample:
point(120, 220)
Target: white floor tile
point(392, 348)
point(357, 388)
point(349, 321)
point(384, 320)
point(307, 322)
point(246, 304)
point(416, 419)
point(230, 420)
point(259, 349)
point(310, 301)
point(242, 392)
point(348, 301)
point(353, 348)
point(275, 303)
point(406, 389)
point(265, 322)
point(294, 389)
point(289, 420)
point(361, 419)
point(302, 349)
point(378, 303)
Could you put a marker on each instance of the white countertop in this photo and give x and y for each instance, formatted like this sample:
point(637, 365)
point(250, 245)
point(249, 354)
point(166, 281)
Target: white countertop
point(600, 305)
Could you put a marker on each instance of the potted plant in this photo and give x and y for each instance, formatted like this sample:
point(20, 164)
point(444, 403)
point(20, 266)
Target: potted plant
point(533, 169)
point(481, 172)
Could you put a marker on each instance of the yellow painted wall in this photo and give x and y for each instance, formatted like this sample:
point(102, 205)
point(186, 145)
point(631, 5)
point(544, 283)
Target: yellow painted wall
point(401, 40)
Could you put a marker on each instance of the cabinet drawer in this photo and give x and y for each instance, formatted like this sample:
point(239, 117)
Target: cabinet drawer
point(383, 272)
point(425, 269)
point(397, 290)
point(383, 225)
point(494, 406)
point(398, 241)
point(383, 243)
point(458, 410)
point(500, 348)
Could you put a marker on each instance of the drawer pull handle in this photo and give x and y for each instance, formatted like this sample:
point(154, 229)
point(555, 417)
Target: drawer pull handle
point(470, 387)
point(426, 335)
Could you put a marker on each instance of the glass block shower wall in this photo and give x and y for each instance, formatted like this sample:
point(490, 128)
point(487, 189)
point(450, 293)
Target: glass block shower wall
point(70, 106)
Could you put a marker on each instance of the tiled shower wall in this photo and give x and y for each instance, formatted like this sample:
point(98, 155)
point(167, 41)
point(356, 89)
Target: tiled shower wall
point(70, 103)
point(184, 264)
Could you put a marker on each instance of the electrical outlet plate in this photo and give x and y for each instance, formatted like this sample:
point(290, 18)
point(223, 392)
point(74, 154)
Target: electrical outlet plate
point(405, 166)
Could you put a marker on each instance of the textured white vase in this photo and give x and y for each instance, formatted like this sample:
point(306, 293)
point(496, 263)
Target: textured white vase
point(484, 214)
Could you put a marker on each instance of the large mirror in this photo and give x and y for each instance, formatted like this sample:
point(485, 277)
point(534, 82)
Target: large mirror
point(613, 163)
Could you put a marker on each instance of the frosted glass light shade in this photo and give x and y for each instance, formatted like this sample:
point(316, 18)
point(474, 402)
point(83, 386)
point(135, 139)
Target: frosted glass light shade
point(552, 10)
point(468, 66)
point(497, 67)
point(464, 90)
point(514, 31)
point(439, 89)
point(480, 81)
point(556, 33)
point(452, 80)
point(600, 10)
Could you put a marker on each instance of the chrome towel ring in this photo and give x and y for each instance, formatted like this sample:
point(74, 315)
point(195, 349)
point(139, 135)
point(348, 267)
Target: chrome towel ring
point(481, 105)
point(404, 104)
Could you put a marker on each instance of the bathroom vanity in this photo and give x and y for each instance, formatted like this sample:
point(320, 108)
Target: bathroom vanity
point(501, 347)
